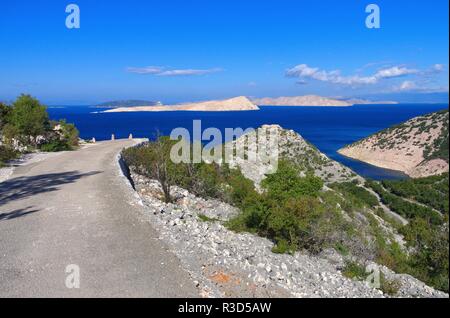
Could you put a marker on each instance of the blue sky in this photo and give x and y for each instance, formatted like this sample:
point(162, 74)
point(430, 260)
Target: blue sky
point(193, 50)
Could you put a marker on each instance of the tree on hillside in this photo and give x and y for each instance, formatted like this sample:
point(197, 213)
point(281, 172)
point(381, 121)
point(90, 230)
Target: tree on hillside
point(27, 119)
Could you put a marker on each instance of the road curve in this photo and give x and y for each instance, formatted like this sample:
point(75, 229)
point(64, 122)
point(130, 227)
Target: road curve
point(76, 209)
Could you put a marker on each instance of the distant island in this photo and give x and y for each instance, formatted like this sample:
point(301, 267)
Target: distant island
point(358, 101)
point(128, 103)
point(314, 100)
point(241, 103)
point(308, 100)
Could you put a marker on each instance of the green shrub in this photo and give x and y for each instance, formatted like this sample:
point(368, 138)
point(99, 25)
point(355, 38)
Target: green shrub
point(55, 146)
point(286, 183)
point(68, 133)
point(7, 154)
point(355, 271)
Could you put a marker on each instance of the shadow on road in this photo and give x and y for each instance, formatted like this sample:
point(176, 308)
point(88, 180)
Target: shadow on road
point(17, 214)
point(23, 187)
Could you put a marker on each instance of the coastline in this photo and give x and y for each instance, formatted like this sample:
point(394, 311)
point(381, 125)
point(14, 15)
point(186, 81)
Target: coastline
point(373, 163)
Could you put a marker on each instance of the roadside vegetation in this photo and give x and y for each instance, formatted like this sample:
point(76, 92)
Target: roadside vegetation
point(25, 127)
point(297, 211)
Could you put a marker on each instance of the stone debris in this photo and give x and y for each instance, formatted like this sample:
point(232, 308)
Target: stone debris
point(228, 264)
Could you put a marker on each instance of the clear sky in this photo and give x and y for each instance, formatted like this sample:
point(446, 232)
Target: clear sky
point(200, 49)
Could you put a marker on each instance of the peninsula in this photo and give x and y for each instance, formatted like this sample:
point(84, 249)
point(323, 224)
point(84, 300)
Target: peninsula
point(418, 147)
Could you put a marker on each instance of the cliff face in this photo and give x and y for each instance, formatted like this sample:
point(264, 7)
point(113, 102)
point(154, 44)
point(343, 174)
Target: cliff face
point(418, 147)
point(241, 103)
point(309, 100)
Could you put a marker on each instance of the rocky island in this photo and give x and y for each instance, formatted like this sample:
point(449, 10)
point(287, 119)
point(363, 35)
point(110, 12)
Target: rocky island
point(308, 100)
point(241, 103)
point(128, 103)
point(418, 147)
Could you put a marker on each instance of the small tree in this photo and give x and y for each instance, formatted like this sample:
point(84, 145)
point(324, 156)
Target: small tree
point(153, 161)
point(28, 119)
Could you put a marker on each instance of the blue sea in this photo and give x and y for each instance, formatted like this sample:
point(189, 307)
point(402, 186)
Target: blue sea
point(328, 128)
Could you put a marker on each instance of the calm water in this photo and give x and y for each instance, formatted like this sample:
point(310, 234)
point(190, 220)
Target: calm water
point(328, 128)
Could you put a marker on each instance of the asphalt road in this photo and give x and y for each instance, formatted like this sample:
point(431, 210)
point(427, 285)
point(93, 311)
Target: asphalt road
point(76, 209)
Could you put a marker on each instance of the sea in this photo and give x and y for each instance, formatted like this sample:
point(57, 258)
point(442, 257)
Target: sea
point(328, 128)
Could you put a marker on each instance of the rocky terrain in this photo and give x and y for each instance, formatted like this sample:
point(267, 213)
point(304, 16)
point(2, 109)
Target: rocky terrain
point(293, 147)
point(228, 264)
point(224, 263)
point(308, 100)
point(418, 147)
point(241, 103)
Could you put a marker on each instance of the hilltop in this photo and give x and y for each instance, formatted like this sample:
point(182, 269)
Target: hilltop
point(241, 103)
point(418, 147)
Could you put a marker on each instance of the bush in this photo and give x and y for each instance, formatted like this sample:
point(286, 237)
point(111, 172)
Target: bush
point(354, 270)
point(430, 260)
point(293, 213)
point(6, 154)
point(55, 146)
point(286, 183)
point(68, 133)
point(389, 287)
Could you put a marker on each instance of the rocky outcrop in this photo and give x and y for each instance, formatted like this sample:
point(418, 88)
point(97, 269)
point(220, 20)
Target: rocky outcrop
point(241, 103)
point(293, 147)
point(418, 147)
point(308, 100)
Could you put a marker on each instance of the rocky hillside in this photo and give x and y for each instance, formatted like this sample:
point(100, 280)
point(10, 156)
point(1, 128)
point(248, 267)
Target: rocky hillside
point(241, 103)
point(308, 100)
point(295, 148)
point(227, 264)
point(418, 147)
point(231, 251)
